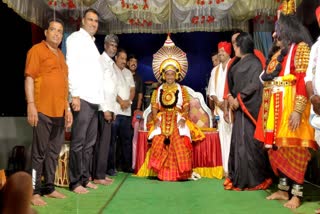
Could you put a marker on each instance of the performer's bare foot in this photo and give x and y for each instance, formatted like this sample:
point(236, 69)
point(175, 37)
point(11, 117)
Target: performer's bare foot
point(108, 179)
point(55, 194)
point(317, 211)
point(293, 203)
point(279, 195)
point(102, 181)
point(91, 186)
point(36, 200)
point(80, 190)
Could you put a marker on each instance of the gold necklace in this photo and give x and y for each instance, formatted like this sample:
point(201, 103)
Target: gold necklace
point(171, 87)
point(168, 95)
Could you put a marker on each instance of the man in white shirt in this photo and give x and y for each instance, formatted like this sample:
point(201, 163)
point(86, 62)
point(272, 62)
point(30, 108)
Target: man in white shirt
point(85, 84)
point(217, 84)
point(106, 111)
point(215, 62)
point(312, 81)
point(121, 127)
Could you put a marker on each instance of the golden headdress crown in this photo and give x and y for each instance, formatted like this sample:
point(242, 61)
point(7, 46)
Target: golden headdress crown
point(288, 7)
point(169, 57)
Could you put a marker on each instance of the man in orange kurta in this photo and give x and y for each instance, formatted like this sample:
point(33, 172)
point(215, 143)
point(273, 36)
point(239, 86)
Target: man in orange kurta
point(46, 88)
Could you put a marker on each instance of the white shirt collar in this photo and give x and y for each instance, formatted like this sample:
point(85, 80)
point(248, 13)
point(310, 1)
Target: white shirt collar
point(84, 32)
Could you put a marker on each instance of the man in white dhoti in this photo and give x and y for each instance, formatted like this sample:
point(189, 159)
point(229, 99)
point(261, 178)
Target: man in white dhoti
point(217, 82)
point(312, 80)
point(215, 62)
point(312, 83)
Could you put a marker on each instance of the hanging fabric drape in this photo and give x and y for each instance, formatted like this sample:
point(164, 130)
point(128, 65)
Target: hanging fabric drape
point(150, 16)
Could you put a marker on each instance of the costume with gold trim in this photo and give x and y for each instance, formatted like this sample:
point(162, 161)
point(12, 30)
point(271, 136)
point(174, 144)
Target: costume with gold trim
point(170, 156)
point(288, 7)
point(285, 100)
point(283, 95)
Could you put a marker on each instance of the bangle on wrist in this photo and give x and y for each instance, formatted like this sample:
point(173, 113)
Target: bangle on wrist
point(313, 95)
point(30, 102)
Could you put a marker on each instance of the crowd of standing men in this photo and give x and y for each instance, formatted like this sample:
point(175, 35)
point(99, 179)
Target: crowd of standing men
point(101, 92)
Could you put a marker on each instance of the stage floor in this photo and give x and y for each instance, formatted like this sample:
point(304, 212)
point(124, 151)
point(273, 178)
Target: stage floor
point(131, 194)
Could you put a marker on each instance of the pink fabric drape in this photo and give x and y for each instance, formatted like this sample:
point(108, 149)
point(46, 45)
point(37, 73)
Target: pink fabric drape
point(207, 153)
point(142, 148)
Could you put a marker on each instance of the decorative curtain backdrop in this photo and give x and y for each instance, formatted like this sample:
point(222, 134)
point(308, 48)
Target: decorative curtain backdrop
point(149, 16)
point(263, 41)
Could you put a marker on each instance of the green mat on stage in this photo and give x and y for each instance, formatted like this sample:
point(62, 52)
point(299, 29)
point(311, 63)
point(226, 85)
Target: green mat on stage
point(131, 194)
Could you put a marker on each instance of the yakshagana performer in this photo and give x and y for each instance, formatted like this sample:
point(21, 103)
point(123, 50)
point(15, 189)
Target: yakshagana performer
point(172, 132)
point(283, 123)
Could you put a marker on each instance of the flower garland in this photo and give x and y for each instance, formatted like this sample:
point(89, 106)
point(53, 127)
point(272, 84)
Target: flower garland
point(271, 75)
point(133, 19)
point(135, 6)
point(203, 2)
point(202, 20)
point(69, 4)
point(259, 19)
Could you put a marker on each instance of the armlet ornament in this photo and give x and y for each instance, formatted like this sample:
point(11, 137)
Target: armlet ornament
point(300, 104)
point(301, 59)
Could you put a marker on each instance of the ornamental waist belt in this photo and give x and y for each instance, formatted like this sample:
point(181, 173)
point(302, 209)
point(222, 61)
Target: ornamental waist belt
point(279, 83)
